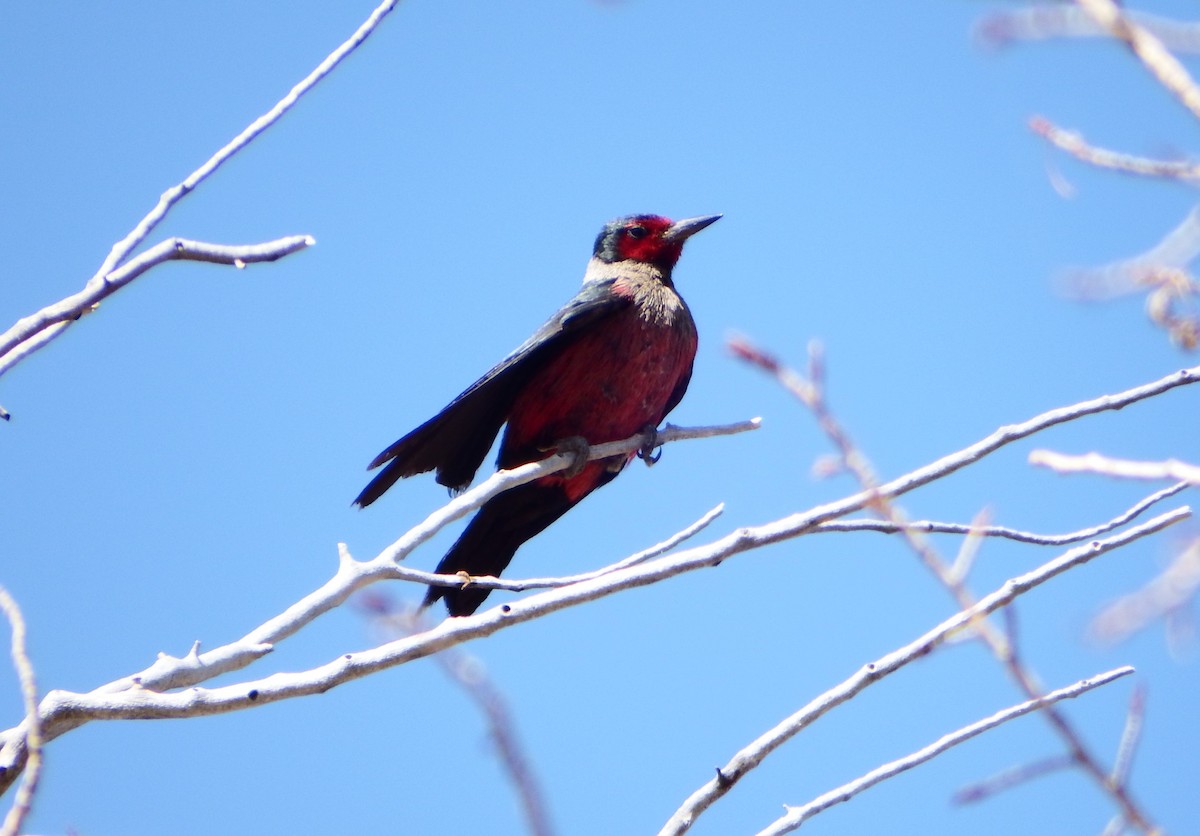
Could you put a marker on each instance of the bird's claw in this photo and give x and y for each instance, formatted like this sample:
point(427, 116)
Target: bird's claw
point(465, 577)
point(578, 450)
point(646, 451)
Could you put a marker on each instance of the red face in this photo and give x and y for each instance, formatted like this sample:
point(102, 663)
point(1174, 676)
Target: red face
point(639, 238)
point(642, 239)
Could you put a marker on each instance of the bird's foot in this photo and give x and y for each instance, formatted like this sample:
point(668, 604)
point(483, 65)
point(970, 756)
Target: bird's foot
point(578, 450)
point(649, 445)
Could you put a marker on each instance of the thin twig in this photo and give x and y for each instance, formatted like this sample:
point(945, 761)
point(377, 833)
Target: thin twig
point(504, 480)
point(1024, 773)
point(1010, 778)
point(353, 575)
point(33, 723)
point(170, 672)
point(1123, 763)
point(1162, 274)
point(994, 441)
point(61, 710)
point(811, 393)
point(36, 343)
point(968, 550)
point(57, 317)
point(1042, 22)
point(1166, 594)
point(796, 816)
point(1121, 468)
point(934, 527)
point(751, 755)
point(123, 697)
point(467, 671)
point(28, 327)
point(523, 585)
point(1165, 67)
point(1130, 737)
point(1075, 145)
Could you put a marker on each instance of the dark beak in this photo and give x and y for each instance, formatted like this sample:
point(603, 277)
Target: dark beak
point(682, 230)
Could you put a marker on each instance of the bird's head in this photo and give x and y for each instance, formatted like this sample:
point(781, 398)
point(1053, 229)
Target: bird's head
point(651, 239)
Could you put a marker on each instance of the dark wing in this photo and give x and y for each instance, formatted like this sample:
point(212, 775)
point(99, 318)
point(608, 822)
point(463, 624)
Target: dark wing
point(677, 393)
point(455, 441)
point(681, 385)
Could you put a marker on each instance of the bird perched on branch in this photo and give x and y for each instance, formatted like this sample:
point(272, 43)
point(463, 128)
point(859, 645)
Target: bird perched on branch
point(610, 363)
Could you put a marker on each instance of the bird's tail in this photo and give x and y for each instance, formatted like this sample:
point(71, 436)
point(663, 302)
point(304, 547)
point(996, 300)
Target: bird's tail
point(491, 539)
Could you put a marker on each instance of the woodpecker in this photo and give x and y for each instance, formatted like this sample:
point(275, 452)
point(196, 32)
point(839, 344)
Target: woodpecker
point(610, 363)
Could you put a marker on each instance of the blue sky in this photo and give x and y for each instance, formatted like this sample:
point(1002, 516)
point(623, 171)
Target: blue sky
point(181, 464)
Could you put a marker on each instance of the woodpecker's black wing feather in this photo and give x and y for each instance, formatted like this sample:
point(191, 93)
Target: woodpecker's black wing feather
point(455, 441)
point(677, 393)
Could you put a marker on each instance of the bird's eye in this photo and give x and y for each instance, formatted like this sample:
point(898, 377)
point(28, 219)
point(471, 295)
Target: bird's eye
point(637, 232)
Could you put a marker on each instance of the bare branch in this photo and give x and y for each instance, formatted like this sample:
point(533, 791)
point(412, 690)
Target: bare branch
point(26, 329)
point(1165, 595)
point(796, 816)
point(1074, 144)
point(1010, 778)
point(1130, 737)
point(843, 526)
point(503, 480)
point(968, 550)
point(1121, 468)
point(53, 319)
point(1024, 773)
point(129, 699)
point(1150, 269)
point(181, 249)
point(1043, 21)
point(755, 752)
point(811, 392)
point(933, 527)
point(468, 672)
point(1165, 67)
point(1124, 761)
point(489, 582)
point(33, 734)
point(170, 672)
point(35, 343)
point(1162, 273)
point(353, 575)
point(990, 443)
point(62, 711)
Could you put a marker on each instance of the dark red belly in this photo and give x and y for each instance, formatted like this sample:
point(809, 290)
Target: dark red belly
point(607, 385)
